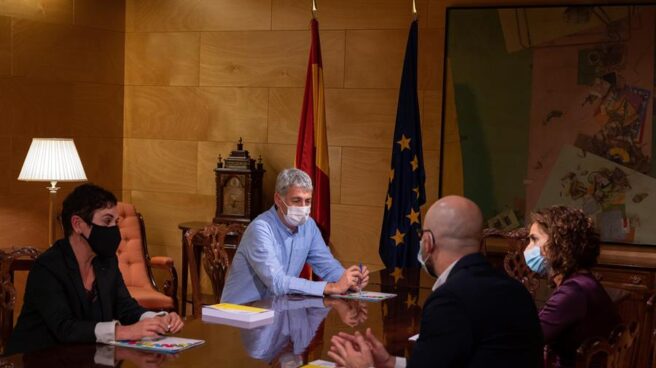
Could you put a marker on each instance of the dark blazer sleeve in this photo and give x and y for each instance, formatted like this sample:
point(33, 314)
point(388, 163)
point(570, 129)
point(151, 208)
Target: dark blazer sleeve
point(51, 302)
point(445, 333)
point(128, 311)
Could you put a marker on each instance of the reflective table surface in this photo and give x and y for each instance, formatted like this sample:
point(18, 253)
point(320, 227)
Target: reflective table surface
point(300, 333)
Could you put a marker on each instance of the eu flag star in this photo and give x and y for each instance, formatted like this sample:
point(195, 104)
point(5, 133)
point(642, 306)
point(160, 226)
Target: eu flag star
point(388, 202)
point(397, 275)
point(414, 163)
point(391, 175)
point(398, 237)
point(416, 190)
point(404, 142)
point(413, 216)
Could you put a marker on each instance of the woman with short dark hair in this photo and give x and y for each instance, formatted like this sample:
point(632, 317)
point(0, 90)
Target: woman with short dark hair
point(564, 245)
point(75, 292)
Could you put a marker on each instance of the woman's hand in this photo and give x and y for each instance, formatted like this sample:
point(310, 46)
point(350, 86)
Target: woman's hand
point(151, 327)
point(173, 322)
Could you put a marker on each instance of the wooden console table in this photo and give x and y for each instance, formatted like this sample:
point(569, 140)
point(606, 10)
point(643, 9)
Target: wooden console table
point(184, 227)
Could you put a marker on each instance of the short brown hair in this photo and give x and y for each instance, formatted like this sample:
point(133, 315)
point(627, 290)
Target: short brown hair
point(573, 241)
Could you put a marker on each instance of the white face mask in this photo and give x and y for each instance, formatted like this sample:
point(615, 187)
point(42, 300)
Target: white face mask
point(297, 216)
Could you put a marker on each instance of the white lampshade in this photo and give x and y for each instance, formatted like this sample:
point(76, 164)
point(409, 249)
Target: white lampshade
point(52, 159)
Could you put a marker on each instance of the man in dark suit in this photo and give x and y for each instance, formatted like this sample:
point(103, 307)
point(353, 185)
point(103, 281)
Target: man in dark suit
point(475, 317)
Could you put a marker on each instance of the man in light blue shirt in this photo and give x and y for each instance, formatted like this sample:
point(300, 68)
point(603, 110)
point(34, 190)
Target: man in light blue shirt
point(279, 242)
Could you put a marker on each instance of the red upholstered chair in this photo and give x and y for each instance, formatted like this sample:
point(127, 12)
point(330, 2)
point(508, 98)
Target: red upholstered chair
point(136, 265)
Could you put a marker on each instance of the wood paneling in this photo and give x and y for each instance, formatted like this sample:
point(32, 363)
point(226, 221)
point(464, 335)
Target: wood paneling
point(431, 119)
point(165, 113)
point(102, 159)
point(365, 175)
point(5, 46)
point(237, 112)
point(160, 165)
point(374, 58)
point(164, 59)
point(193, 113)
point(361, 117)
point(67, 53)
point(53, 11)
point(355, 233)
point(346, 14)
point(267, 59)
point(198, 15)
point(100, 14)
point(163, 212)
point(284, 114)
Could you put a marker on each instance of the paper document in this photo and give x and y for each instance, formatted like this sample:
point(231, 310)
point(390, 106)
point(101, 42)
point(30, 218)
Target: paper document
point(165, 344)
point(319, 364)
point(369, 296)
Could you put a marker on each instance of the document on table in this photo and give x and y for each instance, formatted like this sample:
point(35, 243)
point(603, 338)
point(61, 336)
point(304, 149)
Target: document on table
point(169, 344)
point(368, 296)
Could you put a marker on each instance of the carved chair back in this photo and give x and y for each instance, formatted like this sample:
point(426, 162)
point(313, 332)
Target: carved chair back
point(615, 352)
point(19, 259)
point(514, 263)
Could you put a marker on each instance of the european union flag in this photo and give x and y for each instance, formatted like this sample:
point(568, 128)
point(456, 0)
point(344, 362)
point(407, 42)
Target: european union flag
point(399, 236)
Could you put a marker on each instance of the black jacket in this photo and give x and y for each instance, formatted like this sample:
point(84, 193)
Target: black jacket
point(54, 306)
point(479, 317)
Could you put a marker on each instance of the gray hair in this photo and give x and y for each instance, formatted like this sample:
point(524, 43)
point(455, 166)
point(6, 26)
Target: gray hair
point(292, 177)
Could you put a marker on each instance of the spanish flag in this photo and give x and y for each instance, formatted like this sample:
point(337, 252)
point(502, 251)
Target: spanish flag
point(312, 145)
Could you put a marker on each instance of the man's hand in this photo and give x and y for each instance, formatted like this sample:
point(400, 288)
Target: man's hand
point(351, 353)
point(364, 279)
point(351, 312)
point(349, 280)
point(382, 359)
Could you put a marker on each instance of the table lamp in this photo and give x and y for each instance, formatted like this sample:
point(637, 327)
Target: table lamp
point(53, 160)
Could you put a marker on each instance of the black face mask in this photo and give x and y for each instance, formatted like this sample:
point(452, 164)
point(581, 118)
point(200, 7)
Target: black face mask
point(104, 240)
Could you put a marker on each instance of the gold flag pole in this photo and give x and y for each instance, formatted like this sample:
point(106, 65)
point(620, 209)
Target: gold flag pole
point(314, 9)
point(414, 10)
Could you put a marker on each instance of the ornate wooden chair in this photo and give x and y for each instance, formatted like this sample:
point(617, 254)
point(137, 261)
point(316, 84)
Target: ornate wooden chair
point(615, 352)
point(514, 263)
point(215, 260)
point(20, 259)
point(136, 264)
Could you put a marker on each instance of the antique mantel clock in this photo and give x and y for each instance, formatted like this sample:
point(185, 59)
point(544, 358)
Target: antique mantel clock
point(238, 187)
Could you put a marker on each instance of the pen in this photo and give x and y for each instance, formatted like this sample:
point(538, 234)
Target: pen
point(360, 281)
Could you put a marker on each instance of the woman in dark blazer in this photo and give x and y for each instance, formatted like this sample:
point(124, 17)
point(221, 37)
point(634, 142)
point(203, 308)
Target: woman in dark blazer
point(564, 245)
point(75, 292)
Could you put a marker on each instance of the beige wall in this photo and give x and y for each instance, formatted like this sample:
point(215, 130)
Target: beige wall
point(201, 74)
point(61, 75)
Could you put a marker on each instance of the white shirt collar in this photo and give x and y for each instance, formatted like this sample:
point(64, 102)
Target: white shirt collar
point(442, 279)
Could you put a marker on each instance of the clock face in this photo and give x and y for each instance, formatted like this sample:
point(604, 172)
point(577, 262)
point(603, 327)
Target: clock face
point(234, 197)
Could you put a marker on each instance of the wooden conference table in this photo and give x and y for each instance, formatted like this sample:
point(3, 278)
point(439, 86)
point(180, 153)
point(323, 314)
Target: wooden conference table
point(300, 333)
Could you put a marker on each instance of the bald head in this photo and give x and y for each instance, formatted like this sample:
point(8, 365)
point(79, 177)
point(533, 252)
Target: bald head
point(456, 223)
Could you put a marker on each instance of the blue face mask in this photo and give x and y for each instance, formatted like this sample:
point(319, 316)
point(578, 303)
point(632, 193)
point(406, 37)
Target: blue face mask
point(535, 261)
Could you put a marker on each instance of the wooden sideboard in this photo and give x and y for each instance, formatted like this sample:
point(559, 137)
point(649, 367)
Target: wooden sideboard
point(629, 268)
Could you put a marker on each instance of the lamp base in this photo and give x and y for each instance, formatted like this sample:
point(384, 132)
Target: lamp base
point(53, 188)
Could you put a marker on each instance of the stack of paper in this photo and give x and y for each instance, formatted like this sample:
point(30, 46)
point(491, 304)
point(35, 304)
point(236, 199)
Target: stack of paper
point(241, 316)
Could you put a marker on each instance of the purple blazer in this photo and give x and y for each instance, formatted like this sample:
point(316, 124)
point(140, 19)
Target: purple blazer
point(578, 309)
